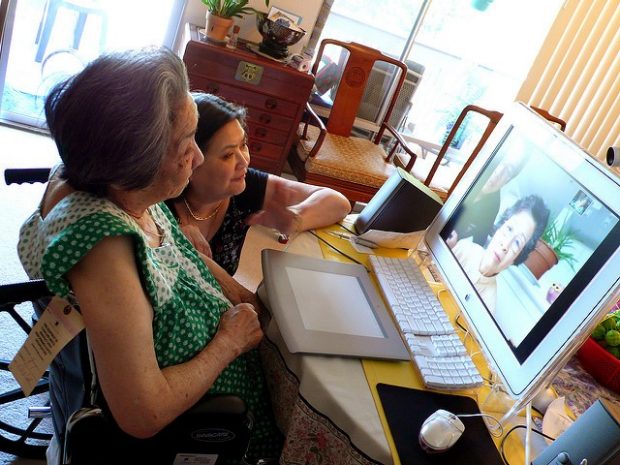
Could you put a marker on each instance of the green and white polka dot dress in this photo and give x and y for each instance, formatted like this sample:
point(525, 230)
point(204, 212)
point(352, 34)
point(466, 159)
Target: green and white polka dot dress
point(187, 300)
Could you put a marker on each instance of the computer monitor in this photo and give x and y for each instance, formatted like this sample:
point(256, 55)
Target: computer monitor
point(529, 182)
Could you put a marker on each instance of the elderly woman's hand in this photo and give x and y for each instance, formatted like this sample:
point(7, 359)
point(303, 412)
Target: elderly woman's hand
point(241, 328)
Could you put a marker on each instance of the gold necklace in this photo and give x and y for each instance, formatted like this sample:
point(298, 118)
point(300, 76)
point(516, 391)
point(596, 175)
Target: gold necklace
point(202, 218)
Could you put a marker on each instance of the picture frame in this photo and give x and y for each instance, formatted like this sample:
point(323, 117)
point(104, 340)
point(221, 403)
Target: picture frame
point(284, 16)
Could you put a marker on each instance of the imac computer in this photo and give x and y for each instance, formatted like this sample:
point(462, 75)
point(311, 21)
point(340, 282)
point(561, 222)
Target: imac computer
point(530, 184)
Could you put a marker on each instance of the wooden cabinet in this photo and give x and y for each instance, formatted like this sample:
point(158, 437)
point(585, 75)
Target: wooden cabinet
point(274, 94)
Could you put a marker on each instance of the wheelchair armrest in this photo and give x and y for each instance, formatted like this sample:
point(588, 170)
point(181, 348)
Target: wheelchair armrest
point(23, 292)
point(220, 404)
point(217, 424)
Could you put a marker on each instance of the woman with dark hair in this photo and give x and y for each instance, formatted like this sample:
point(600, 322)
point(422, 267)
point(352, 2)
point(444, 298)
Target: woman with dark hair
point(225, 197)
point(514, 237)
point(162, 329)
point(476, 215)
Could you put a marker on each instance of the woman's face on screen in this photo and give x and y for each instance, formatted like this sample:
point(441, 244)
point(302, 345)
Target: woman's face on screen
point(507, 243)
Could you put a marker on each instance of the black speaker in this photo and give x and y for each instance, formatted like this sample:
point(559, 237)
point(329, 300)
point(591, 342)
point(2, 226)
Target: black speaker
point(403, 204)
point(594, 439)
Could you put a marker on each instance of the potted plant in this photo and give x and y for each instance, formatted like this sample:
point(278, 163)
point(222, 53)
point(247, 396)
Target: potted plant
point(220, 14)
point(555, 244)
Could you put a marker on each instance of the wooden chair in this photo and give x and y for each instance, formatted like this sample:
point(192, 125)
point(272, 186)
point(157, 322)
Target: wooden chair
point(442, 177)
point(83, 9)
point(554, 119)
point(329, 154)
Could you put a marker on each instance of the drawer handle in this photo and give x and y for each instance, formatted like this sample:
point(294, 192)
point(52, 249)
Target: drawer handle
point(271, 103)
point(212, 89)
point(260, 132)
point(256, 147)
point(265, 118)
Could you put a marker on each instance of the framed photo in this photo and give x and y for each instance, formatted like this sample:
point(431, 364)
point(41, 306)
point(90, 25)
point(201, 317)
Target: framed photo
point(284, 17)
point(580, 202)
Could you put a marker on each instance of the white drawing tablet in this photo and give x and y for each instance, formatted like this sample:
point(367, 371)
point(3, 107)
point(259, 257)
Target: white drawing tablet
point(328, 307)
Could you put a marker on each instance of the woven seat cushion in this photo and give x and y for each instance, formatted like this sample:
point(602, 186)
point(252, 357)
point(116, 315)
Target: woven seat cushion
point(444, 177)
point(351, 159)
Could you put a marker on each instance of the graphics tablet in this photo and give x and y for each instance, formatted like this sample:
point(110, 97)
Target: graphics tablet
point(328, 307)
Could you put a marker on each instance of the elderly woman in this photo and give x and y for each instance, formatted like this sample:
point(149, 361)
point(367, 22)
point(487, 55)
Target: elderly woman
point(225, 197)
point(162, 329)
point(514, 237)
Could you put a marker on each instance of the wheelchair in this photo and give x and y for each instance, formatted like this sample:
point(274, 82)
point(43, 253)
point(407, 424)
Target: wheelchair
point(216, 430)
point(30, 437)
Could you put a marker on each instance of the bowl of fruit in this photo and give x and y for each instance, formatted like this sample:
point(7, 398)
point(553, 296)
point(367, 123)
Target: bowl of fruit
point(600, 354)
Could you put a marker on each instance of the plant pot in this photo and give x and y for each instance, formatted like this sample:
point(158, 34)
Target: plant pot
point(217, 27)
point(541, 259)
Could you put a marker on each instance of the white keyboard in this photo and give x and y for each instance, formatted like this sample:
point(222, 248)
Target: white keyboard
point(435, 347)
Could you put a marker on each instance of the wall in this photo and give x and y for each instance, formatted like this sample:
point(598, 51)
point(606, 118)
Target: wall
point(195, 12)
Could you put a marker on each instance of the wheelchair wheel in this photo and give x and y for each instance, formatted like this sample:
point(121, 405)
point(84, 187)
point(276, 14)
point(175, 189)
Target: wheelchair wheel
point(20, 435)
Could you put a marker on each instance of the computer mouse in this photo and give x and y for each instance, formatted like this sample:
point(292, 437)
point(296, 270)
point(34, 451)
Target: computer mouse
point(440, 431)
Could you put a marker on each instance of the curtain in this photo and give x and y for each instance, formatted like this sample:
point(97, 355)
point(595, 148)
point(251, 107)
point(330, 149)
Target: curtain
point(576, 75)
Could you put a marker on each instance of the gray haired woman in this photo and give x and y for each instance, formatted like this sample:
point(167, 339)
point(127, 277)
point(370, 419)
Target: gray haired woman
point(163, 330)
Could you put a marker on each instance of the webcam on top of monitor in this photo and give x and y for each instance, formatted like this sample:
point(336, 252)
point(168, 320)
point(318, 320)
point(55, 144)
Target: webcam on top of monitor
point(613, 156)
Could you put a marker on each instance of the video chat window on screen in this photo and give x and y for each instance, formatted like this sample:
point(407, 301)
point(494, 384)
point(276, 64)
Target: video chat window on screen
point(521, 171)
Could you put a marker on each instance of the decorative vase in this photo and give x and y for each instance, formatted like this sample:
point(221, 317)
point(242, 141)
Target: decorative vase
point(541, 259)
point(217, 27)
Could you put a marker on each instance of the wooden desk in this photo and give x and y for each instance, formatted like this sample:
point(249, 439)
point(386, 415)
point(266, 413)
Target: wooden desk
point(274, 94)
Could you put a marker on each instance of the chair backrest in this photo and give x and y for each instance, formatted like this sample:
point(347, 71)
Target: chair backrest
point(554, 119)
point(356, 73)
point(378, 86)
point(457, 128)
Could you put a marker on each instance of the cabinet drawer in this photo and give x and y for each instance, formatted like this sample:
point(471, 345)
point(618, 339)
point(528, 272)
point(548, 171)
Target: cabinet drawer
point(267, 164)
point(244, 97)
point(264, 149)
point(266, 134)
point(272, 120)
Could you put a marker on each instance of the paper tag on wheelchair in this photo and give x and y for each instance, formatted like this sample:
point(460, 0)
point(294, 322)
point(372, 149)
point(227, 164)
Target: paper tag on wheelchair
point(58, 324)
point(195, 459)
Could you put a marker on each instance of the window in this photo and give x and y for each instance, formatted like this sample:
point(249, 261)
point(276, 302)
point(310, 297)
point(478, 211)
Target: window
point(472, 51)
point(48, 40)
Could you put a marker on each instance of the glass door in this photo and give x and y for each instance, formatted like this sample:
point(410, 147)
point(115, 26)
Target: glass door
point(473, 52)
point(46, 41)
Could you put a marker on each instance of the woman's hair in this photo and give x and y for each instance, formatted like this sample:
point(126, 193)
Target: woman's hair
point(113, 121)
point(540, 214)
point(213, 114)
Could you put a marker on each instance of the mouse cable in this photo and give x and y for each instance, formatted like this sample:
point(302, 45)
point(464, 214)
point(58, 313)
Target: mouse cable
point(338, 250)
point(496, 433)
point(501, 444)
